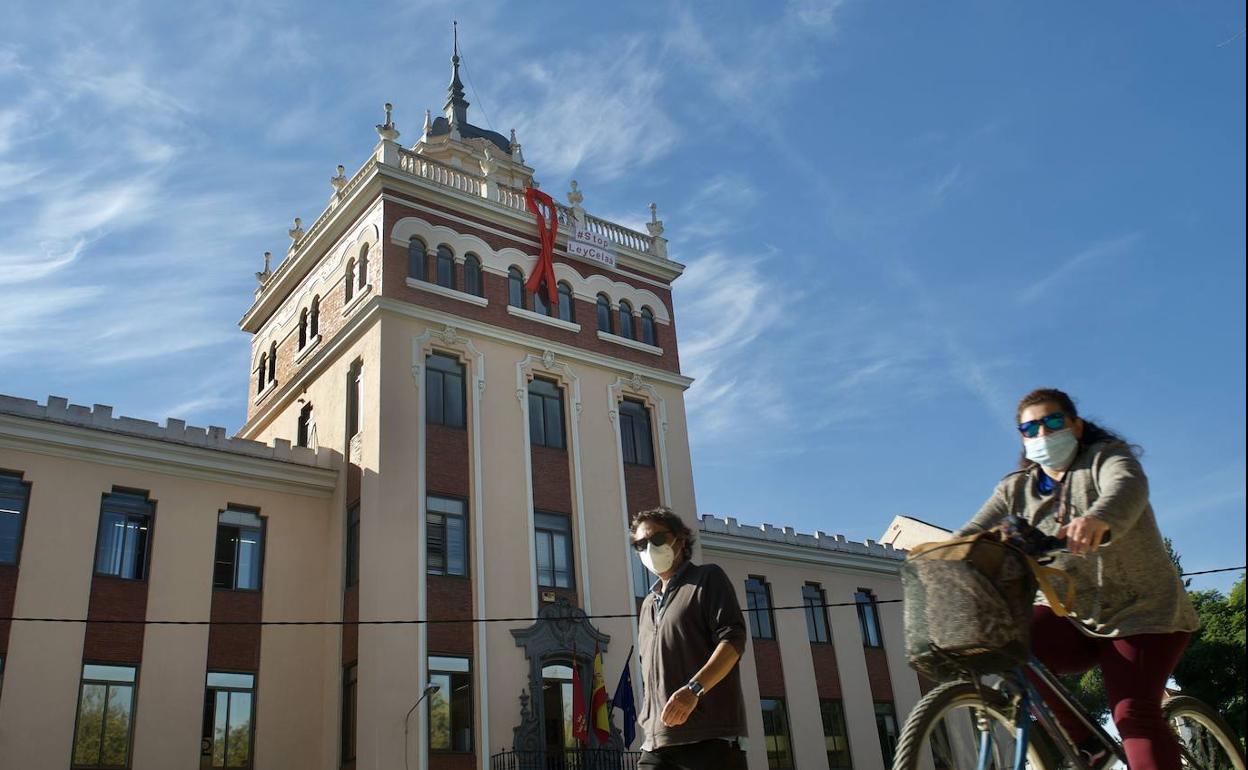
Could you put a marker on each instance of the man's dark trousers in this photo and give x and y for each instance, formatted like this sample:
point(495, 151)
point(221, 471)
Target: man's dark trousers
point(715, 754)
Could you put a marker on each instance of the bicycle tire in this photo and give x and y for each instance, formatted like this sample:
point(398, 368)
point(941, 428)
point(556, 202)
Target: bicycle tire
point(1187, 707)
point(931, 708)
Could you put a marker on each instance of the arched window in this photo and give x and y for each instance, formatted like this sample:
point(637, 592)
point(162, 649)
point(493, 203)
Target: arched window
point(472, 276)
point(363, 266)
point(604, 314)
point(416, 259)
point(446, 267)
point(303, 328)
point(515, 287)
point(272, 361)
point(626, 320)
point(539, 300)
point(261, 371)
point(647, 327)
point(566, 312)
point(314, 318)
point(349, 283)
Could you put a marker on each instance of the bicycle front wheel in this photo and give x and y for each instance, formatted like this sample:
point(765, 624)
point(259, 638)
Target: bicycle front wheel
point(957, 723)
point(1205, 740)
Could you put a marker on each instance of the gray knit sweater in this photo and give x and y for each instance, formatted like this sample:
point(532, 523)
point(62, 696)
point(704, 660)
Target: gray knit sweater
point(1127, 587)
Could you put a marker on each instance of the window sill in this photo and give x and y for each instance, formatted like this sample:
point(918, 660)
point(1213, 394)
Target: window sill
point(442, 291)
point(558, 323)
point(360, 294)
point(308, 348)
point(269, 387)
point(626, 342)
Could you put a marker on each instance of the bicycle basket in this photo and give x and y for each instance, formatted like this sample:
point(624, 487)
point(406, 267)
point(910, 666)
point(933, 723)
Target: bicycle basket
point(967, 606)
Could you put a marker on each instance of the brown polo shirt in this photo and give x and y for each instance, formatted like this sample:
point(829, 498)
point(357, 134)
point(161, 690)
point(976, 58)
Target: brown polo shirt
point(676, 637)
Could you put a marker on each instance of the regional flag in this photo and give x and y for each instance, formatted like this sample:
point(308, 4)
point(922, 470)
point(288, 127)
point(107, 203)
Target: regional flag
point(624, 701)
point(598, 702)
point(580, 726)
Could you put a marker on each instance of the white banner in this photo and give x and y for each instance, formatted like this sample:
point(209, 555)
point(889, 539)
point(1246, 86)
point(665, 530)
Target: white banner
point(591, 246)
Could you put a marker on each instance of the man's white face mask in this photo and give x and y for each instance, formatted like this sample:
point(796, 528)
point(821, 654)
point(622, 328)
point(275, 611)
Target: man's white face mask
point(658, 558)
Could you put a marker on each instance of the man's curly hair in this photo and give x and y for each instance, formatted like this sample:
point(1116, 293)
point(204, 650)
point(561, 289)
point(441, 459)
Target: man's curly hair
point(668, 518)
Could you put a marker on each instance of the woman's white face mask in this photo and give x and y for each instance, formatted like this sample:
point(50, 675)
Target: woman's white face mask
point(1052, 450)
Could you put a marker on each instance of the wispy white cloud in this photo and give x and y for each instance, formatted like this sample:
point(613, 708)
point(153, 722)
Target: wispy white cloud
point(1096, 252)
point(946, 183)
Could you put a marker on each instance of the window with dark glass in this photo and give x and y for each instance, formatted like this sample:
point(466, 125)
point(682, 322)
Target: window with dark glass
point(303, 328)
point(553, 533)
point(515, 287)
point(626, 320)
point(125, 535)
point(272, 361)
point(635, 438)
point(758, 603)
point(604, 313)
point(472, 276)
point(353, 544)
point(642, 578)
point(815, 600)
point(362, 267)
point(868, 618)
point(14, 499)
point(261, 371)
point(240, 551)
point(105, 719)
point(348, 712)
point(444, 391)
point(545, 414)
point(349, 283)
point(450, 706)
point(305, 427)
point(886, 726)
point(314, 318)
point(540, 305)
point(835, 736)
point(776, 734)
point(229, 718)
point(446, 536)
point(566, 310)
point(354, 386)
point(416, 259)
point(647, 327)
point(446, 267)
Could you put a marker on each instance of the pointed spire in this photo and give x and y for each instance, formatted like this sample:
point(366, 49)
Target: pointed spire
point(456, 108)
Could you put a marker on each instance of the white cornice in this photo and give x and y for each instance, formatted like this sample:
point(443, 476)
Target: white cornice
point(101, 446)
point(785, 553)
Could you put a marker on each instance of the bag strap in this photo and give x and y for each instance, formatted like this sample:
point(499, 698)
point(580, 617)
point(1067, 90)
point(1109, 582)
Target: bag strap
point(1061, 606)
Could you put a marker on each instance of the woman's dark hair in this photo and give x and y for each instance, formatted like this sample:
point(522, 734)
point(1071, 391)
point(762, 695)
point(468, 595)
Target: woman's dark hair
point(1092, 433)
point(666, 517)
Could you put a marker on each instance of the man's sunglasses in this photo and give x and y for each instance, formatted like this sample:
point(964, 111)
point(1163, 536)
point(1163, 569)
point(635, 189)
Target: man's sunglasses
point(659, 539)
point(1031, 428)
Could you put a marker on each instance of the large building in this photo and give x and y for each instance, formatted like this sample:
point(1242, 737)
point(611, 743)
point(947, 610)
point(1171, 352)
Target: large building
point(426, 440)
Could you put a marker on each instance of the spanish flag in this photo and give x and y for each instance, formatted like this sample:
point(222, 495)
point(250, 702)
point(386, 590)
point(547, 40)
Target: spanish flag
point(599, 714)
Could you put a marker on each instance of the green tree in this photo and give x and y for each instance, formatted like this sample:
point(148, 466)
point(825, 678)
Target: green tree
point(1213, 668)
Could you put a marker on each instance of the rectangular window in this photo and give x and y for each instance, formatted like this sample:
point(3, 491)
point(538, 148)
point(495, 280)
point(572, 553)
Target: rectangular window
point(446, 536)
point(105, 716)
point(553, 532)
point(444, 391)
point(642, 577)
point(635, 438)
point(816, 613)
point(348, 712)
point(229, 718)
point(450, 708)
point(868, 618)
point(125, 535)
point(240, 550)
point(758, 601)
point(545, 414)
point(886, 725)
point(776, 734)
point(305, 427)
point(353, 544)
point(835, 736)
point(354, 385)
point(14, 498)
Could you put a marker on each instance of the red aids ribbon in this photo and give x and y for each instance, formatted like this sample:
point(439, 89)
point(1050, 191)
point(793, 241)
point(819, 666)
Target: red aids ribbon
point(547, 226)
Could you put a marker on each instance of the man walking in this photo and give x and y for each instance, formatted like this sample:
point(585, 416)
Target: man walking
point(691, 634)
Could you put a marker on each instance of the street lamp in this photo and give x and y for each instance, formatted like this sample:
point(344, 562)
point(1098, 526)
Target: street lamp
point(430, 689)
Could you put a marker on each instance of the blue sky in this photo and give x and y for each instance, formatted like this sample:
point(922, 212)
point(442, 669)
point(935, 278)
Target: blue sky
point(897, 217)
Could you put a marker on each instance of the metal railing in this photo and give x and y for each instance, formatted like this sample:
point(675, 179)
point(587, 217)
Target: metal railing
point(570, 759)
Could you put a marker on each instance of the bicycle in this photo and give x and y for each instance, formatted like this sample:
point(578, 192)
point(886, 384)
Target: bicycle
point(989, 722)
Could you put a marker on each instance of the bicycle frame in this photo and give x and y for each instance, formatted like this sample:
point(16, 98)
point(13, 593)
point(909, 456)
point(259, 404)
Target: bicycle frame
point(1030, 703)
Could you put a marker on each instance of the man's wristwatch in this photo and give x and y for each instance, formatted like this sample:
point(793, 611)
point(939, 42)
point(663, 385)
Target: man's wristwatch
point(696, 688)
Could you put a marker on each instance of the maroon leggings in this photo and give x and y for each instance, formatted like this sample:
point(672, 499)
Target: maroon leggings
point(1135, 669)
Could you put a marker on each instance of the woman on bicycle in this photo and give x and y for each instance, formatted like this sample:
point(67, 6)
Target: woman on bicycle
point(1131, 614)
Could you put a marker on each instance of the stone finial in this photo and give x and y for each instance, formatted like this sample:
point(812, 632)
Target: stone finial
point(263, 276)
point(655, 225)
point(516, 154)
point(296, 232)
point(340, 181)
point(428, 124)
point(575, 196)
point(387, 131)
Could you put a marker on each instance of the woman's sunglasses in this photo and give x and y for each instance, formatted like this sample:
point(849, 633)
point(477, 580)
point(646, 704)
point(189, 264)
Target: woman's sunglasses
point(659, 539)
point(1031, 428)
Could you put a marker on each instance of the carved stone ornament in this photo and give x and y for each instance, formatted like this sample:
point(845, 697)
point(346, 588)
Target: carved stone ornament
point(388, 131)
point(636, 382)
point(296, 232)
point(448, 335)
point(340, 181)
point(548, 359)
point(575, 196)
point(655, 225)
